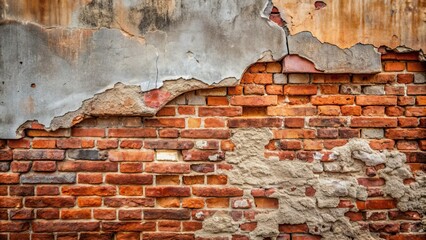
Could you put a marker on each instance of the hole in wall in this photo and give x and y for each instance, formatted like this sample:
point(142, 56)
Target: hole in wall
point(319, 4)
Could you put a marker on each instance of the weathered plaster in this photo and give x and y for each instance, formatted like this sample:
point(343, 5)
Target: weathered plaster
point(346, 23)
point(56, 56)
point(332, 181)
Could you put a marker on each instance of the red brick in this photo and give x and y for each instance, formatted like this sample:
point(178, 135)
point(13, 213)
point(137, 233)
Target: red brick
point(254, 100)
point(217, 202)
point(38, 154)
point(416, 66)
point(131, 190)
point(248, 226)
point(382, 144)
point(90, 178)
point(49, 226)
point(191, 226)
point(44, 133)
point(186, 110)
point(257, 68)
point(263, 202)
point(181, 214)
point(169, 226)
point(86, 166)
point(205, 133)
point(331, 78)
point(421, 100)
point(327, 133)
point(220, 111)
point(14, 226)
point(75, 214)
point(156, 98)
point(128, 236)
point(300, 89)
point(406, 145)
point(44, 143)
point(160, 236)
point(415, 111)
point(373, 111)
point(376, 100)
point(408, 122)
point(310, 191)
point(254, 122)
point(107, 144)
point(329, 89)
point(405, 78)
point(176, 168)
point(257, 78)
point(89, 201)
point(329, 110)
point(394, 111)
point(129, 179)
point(167, 191)
point(294, 133)
point(416, 89)
point(355, 216)
point(305, 237)
point(291, 111)
point(330, 144)
point(68, 143)
point(132, 132)
point(294, 122)
point(394, 90)
point(10, 202)
point(254, 89)
point(104, 214)
point(19, 143)
point(373, 122)
point(44, 166)
point(294, 228)
point(290, 145)
point(130, 214)
point(394, 66)
point(9, 178)
point(217, 179)
point(312, 144)
point(191, 180)
point(405, 101)
point(327, 122)
point(274, 89)
point(214, 123)
point(193, 203)
point(382, 78)
point(333, 100)
point(88, 132)
point(385, 227)
point(165, 122)
point(413, 133)
point(53, 202)
point(20, 167)
point(47, 190)
point(131, 156)
point(168, 144)
point(167, 111)
point(298, 100)
point(380, 204)
point(237, 90)
point(89, 190)
point(217, 191)
point(168, 133)
point(216, 101)
point(49, 213)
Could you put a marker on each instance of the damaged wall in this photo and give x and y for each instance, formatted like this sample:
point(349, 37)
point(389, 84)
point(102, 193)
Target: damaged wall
point(279, 156)
point(76, 50)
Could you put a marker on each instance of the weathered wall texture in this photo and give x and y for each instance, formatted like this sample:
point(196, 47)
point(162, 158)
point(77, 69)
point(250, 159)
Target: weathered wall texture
point(57, 54)
point(279, 156)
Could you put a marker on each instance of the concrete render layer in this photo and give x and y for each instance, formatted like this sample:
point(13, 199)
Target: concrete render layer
point(60, 68)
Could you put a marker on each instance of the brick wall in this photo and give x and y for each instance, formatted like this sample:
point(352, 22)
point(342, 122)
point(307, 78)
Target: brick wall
point(160, 177)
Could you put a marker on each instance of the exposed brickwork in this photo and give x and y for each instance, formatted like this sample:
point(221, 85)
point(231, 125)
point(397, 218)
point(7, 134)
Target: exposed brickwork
point(161, 177)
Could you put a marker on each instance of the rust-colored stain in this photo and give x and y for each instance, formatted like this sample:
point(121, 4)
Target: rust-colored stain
point(390, 23)
point(44, 12)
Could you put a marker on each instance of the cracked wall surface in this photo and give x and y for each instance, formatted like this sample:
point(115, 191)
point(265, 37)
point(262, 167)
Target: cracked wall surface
point(278, 156)
point(57, 56)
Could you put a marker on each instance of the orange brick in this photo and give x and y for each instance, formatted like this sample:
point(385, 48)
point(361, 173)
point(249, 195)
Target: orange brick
point(263, 202)
point(405, 78)
point(273, 67)
point(194, 122)
point(257, 68)
point(44, 143)
point(373, 122)
point(186, 110)
point(214, 123)
point(237, 90)
point(312, 145)
point(274, 89)
point(331, 78)
point(329, 89)
point(166, 111)
point(394, 66)
point(254, 100)
point(329, 110)
point(416, 66)
point(376, 100)
point(373, 111)
point(291, 111)
point(217, 202)
point(416, 89)
point(351, 110)
point(405, 101)
point(382, 78)
point(421, 100)
point(294, 133)
point(300, 89)
point(259, 78)
point(254, 89)
point(193, 202)
point(333, 100)
point(217, 101)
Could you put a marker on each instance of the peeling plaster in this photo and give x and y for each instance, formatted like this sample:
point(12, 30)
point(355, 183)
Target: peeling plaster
point(52, 66)
point(332, 181)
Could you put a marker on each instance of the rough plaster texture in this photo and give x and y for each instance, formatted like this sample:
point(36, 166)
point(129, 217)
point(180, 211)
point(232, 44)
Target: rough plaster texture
point(378, 22)
point(56, 56)
point(332, 180)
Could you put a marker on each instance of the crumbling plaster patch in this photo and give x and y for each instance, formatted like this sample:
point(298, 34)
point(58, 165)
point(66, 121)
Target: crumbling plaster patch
point(289, 178)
